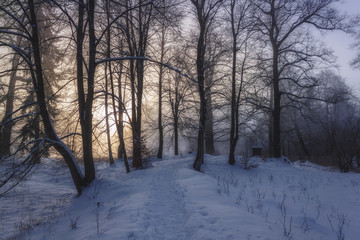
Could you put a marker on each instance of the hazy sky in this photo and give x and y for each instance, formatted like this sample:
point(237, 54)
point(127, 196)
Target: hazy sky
point(341, 44)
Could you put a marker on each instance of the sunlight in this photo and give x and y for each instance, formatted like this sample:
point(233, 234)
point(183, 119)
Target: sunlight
point(99, 117)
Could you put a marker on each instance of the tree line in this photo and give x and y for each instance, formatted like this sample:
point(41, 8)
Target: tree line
point(138, 76)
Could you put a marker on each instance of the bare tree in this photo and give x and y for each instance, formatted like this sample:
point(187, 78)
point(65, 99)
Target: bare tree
point(179, 94)
point(136, 30)
point(86, 65)
point(166, 30)
point(108, 68)
point(239, 12)
point(118, 105)
point(205, 12)
point(161, 73)
point(28, 29)
point(215, 51)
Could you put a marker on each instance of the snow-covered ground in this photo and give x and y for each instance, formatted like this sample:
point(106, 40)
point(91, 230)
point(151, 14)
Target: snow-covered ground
point(276, 200)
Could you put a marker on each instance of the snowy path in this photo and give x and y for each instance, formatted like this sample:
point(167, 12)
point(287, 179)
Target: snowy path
point(165, 216)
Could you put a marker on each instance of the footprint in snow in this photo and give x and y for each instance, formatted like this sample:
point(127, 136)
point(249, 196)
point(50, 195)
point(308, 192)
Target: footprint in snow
point(204, 213)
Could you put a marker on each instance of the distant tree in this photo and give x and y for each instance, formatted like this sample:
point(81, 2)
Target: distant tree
point(337, 121)
point(319, 131)
point(282, 25)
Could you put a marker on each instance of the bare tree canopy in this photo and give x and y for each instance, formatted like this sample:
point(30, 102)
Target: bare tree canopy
point(128, 80)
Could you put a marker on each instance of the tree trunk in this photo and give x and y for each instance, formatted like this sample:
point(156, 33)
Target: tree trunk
point(276, 147)
point(233, 143)
point(176, 136)
point(108, 37)
point(137, 43)
point(199, 160)
point(38, 83)
point(202, 121)
point(301, 140)
point(137, 139)
point(111, 159)
point(161, 70)
point(200, 63)
point(120, 123)
point(35, 157)
point(175, 114)
point(160, 126)
point(137, 148)
point(271, 132)
point(161, 73)
point(86, 101)
point(135, 126)
point(88, 156)
point(233, 140)
point(209, 128)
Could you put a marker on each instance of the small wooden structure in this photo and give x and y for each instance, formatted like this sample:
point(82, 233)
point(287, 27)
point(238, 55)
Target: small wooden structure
point(257, 151)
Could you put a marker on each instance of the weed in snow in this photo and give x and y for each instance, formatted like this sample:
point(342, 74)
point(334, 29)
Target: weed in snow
point(223, 186)
point(267, 214)
point(73, 222)
point(241, 194)
point(250, 208)
point(338, 221)
point(259, 197)
point(287, 227)
point(317, 207)
point(305, 225)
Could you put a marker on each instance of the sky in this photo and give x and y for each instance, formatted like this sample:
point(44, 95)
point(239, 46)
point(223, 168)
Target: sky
point(341, 44)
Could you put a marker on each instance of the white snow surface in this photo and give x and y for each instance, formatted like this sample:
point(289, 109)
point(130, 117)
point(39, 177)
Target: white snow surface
point(170, 200)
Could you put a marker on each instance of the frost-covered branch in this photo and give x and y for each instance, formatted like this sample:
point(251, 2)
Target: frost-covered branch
point(18, 118)
point(149, 60)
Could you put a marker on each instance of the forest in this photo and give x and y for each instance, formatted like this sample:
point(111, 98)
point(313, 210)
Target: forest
point(87, 81)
